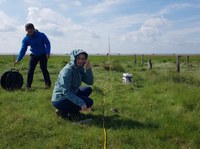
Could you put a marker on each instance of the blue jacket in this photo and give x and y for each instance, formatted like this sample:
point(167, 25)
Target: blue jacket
point(70, 79)
point(39, 43)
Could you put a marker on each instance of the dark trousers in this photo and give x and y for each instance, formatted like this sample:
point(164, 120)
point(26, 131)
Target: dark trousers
point(67, 106)
point(43, 66)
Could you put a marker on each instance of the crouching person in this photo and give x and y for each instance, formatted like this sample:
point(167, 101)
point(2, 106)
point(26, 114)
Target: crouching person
point(69, 97)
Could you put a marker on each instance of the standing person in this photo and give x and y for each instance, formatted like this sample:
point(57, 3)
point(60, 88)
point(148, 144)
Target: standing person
point(40, 52)
point(68, 94)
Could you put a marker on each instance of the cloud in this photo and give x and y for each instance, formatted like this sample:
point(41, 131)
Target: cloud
point(129, 24)
point(45, 19)
point(63, 5)
point(63, 32)
point(77, 3)
point(149, 30)
point(7, 24)
point(102, 7)
point(172, 7)
point(155, 22)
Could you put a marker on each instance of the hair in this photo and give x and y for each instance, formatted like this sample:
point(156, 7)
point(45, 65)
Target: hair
point(29, 26)
point(84, 53)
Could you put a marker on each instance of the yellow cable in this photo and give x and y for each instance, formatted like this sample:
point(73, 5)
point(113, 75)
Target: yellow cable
point(104, 129)
point(110, 74)
point(105, 138)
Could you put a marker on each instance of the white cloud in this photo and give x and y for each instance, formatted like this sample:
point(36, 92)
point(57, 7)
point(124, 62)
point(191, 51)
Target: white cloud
point(156, 22)
point(63, 32)
point(177, 6)
point(49, 20)
point(77, 3)
point(7, 23)
point(67, 5)
point(87, 25)
point(100, 7)
point(150, 30)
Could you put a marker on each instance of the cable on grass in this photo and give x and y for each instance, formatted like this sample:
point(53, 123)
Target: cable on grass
point(104, 99)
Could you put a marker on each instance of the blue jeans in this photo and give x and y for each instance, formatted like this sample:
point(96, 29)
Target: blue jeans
point(67, 106)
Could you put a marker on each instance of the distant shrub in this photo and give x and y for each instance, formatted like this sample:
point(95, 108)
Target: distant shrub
point(113, 66)
point(164, 60)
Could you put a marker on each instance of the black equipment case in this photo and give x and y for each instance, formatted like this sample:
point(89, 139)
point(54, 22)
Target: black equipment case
point(11, 80)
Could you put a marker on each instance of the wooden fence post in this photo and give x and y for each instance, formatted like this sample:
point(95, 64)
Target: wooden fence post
point(187, 59)
point(178, 63)
point(142, 59)
point(149, 64)
point(135, 59)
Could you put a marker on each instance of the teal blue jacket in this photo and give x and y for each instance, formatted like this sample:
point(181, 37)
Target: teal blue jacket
point(70, 79)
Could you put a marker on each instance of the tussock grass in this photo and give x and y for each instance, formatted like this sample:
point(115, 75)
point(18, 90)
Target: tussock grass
point(158, 109)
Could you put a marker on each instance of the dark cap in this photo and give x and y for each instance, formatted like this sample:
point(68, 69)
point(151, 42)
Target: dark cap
point(29, 26)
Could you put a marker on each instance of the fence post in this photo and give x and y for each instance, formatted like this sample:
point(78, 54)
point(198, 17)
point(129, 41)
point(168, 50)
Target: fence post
point(187, 59)
point(149, 64)
point(142, 59)
point(135, 59)
point(178, 63)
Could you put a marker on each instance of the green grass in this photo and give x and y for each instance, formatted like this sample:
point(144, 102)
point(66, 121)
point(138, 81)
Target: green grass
point(158, 109)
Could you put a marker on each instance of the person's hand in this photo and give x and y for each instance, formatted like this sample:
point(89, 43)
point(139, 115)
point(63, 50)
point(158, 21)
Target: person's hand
point(87, 64)
point(89, 109)
point(16, 62)
point(84, 107)
point(47, 56)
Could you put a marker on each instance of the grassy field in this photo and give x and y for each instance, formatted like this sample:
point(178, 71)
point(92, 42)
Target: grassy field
point(158, 109)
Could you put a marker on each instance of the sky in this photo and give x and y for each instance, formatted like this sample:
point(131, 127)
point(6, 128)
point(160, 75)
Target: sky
point(102, 26)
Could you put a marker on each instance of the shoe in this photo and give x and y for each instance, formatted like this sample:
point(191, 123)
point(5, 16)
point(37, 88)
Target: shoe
point(63, 114)
point(77, 116)
point(28, 88)
point(58, 113)
point(85, 121)
point(47, 86)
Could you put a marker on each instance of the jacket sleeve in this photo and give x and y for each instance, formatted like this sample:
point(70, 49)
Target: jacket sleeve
point(65, 85)
point(88, 77)
point(23, 49)
point(47, 44)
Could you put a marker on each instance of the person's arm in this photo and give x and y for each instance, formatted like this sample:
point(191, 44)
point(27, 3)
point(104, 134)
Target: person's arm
point(22, 51)
point(65, 86)
point(47, 45)
point(88, 77)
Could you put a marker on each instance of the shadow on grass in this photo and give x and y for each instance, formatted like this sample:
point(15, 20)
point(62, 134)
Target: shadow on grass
point(116, 122)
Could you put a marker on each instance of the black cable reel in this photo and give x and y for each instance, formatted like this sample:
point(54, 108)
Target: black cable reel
point(12, 80)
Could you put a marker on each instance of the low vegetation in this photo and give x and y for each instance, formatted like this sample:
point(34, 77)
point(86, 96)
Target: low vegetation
point(160, 108)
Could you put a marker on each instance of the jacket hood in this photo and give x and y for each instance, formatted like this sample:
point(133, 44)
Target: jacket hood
point(74, 54)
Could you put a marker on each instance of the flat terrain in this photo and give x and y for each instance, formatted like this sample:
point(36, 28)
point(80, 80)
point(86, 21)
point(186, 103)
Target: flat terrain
point(159, 109)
